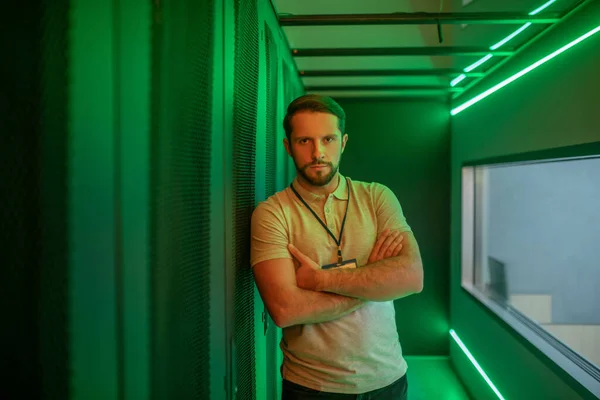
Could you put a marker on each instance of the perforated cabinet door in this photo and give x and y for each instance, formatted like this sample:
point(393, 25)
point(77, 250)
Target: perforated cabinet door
point(244, 154)
point(182, 54)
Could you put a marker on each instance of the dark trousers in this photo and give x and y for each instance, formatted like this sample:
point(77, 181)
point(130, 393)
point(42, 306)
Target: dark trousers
point(396, 391)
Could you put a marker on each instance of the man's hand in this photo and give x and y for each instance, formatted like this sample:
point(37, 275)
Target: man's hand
point(306, 269)
point(389, 244)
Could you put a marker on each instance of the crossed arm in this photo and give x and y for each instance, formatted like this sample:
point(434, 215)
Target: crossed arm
point(306, 294)
point(384, 280)
point(289, 303)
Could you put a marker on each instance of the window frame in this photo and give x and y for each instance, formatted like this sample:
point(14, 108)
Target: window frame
point(548, 348)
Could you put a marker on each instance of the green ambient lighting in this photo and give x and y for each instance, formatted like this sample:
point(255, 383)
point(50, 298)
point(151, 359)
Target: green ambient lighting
point(541, 8)
point(472, 359)
point(521, 29)
point(523, 72)
point(456, 80)
point(477, 63)
point(505, 40)
point(509, 37)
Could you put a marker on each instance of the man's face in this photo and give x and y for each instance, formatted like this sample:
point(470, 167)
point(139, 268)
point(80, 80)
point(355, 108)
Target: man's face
point(316, 146)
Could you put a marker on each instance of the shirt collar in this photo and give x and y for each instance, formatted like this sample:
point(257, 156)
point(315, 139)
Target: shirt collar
point(341, 192)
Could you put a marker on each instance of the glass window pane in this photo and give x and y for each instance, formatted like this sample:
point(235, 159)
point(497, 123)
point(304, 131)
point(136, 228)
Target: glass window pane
point(537, 245)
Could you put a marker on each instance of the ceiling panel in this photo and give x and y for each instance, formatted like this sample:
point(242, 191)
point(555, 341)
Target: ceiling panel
point(488, 35)
point(354, 36)
point(398, 36)
point(354, 6)
point(381, 93)
point(377, 80)
point(512, 5)
point(376, 62)
point(479, 36)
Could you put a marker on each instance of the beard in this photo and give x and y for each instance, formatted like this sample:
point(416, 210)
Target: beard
point(318, 177)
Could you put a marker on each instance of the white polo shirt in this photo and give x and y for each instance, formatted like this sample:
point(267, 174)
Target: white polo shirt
point(359, 352)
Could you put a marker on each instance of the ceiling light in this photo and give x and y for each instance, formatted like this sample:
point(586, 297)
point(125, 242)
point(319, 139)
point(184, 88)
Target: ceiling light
point(537, 10)
point(522, 72)
point(456, 80)
point(509, 37)
point(478, 63)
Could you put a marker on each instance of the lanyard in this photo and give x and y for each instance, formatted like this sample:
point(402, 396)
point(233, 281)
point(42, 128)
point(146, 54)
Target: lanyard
point(337, 241)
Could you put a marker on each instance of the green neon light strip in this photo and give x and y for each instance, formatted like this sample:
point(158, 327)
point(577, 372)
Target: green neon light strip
point(509, 37)
point(478, 63)
point(541, 8)
point(521, 29)
point(472, 359)
point(523, 72)
point(457, 79)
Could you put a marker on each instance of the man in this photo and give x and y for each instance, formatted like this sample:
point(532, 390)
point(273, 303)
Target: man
point(329, 256)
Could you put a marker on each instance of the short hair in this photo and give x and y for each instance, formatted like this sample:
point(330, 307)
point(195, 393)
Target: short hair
point(314, 103)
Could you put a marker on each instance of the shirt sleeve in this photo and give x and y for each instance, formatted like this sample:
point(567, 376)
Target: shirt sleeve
point(389, 211)
point(269, 237)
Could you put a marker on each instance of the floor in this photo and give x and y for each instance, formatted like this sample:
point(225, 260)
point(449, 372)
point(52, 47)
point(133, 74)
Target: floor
point(432, 378)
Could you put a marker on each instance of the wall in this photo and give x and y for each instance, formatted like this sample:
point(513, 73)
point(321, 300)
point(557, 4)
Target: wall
point(404, 144)
point(555, 105)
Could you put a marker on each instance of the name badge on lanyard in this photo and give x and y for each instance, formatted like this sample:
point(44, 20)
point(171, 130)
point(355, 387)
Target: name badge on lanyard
point(340, 262)
point(345, 264)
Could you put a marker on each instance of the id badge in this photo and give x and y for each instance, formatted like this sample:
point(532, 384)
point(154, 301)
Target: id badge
point(345, 264)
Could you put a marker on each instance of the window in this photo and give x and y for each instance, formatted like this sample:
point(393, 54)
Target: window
point(531, 253)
